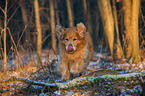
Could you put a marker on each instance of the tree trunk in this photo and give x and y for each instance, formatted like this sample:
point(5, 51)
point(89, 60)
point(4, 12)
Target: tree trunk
point(5, 33)
point(135, 32)
point(87, 15)
point(25, 20)
point(96, 35)
point(57, 13)
point(1, 36)
point(84, 3)
point(70, 13)
point(143, 89)
point(127, 24)
point(38, 27)
point(108, 23)
point(52, 16)
point(119, 52)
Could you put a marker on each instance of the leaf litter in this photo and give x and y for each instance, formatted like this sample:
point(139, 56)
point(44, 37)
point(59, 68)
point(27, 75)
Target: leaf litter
point(47, 73)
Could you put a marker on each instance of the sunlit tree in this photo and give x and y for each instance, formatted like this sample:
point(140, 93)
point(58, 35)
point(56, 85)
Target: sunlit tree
point(25, 19)
point(108, 23)
point(70, 13)
point(38, 27)
point(135, 32)
point(52, 16)
point(127, 24)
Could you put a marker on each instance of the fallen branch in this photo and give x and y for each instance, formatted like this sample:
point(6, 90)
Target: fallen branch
point(28, 81)
point(78, 81)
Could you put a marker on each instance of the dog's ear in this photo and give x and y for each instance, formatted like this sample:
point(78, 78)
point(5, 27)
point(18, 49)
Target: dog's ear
point(59, 31)
point(81, 29)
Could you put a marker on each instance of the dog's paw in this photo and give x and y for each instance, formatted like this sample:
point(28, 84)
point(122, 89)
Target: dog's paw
point(65, 78)
point(74, 70)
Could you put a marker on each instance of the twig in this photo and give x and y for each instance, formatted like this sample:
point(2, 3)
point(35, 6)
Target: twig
point(15, 46)
point(13, 14)
point(46, 38)
point(24, 31)
point(2, 10)
point(13, 78)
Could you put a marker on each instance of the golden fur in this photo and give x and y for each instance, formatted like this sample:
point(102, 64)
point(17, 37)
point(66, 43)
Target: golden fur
point(74, 48)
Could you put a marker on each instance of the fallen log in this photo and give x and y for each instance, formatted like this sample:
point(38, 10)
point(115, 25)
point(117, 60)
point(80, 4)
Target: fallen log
point(78, 81)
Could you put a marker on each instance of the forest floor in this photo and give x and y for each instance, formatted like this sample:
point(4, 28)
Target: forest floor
point(46, 72)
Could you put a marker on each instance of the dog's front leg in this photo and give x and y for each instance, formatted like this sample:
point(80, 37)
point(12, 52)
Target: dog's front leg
point(65, 73)
point(75, 66)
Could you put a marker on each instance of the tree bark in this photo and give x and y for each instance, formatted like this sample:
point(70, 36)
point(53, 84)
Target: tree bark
point(57, 13)
point(1, 36)
point(5, 36)
point(52, 16)
point(25, 20)
point(38, 28)
point(127, 24)
point(108, 23)
point(135, 32)
point(87, 15)
point(70, 13)
point(119, 52)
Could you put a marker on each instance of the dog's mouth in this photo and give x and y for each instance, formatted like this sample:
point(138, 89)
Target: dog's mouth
point(70, 48)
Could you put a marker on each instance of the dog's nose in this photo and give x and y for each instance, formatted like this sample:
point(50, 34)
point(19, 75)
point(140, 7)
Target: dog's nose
point(70, 48)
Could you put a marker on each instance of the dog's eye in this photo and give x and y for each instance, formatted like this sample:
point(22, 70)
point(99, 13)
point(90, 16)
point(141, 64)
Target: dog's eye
point(66, 39)
point(74, 39)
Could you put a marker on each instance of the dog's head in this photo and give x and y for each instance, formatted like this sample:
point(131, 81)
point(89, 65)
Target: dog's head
point(71, 37)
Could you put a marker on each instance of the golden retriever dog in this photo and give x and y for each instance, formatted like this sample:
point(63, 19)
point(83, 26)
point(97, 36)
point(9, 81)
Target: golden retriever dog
point(75, 48)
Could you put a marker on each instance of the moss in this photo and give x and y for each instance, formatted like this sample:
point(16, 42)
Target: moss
point(121, 79)
point(95, 80)
point(110, 79)
point(87, 79)
point(92, 80)
point(72, 87)
point(99, 79)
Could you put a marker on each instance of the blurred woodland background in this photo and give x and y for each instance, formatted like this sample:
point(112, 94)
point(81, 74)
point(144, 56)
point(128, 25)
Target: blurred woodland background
point(29, 47)
point(29, 25)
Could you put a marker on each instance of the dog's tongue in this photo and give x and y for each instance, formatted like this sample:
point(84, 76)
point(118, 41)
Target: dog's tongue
point(70, 48)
